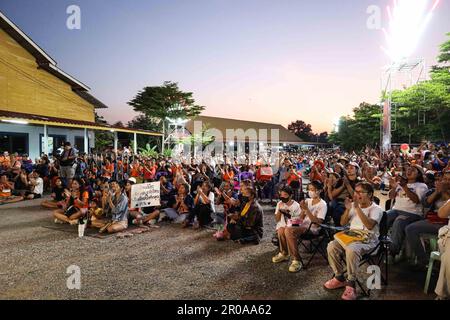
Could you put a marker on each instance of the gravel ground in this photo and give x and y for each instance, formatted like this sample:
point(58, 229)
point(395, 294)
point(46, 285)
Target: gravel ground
point(164, 263)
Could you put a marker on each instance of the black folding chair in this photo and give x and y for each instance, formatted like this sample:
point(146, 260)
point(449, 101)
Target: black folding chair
point(378, 255)
point(316, 243)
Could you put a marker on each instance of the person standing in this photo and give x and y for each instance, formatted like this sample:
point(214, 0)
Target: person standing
point(66, 162)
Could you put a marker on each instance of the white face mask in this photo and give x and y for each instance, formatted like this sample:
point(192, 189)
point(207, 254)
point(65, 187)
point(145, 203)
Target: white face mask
point(312, 194)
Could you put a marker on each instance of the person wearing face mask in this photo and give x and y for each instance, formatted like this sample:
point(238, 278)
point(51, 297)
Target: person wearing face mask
point(287, 215)
point(246, 225)
point(312, 210)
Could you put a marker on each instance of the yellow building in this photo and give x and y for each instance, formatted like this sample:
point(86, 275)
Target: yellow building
point(39, 102)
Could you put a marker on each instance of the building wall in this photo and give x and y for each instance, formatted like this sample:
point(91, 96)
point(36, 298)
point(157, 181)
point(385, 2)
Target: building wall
point(27, 89)
point(34, 133)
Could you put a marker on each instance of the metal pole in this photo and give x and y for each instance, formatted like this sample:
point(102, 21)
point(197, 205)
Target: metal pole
point(86, 141)
point(115, 142)
point(135, 143)
point(45, 149)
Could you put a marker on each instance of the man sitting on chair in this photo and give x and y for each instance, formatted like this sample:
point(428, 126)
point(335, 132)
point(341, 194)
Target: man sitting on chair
point(362, 214)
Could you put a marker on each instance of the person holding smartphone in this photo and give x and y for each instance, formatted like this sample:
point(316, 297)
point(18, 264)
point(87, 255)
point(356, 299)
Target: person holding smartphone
point(287, 214)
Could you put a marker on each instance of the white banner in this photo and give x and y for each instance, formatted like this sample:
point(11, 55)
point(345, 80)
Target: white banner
point(145, 195)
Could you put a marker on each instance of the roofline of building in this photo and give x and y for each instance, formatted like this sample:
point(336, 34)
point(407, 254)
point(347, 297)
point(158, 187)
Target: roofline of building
point(43, 59)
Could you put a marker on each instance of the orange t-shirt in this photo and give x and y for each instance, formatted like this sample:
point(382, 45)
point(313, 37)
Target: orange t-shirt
point(228, 176)
point(109, 170)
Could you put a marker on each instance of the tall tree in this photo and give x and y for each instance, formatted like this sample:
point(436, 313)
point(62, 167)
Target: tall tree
point(165, 102)
point(302, 130)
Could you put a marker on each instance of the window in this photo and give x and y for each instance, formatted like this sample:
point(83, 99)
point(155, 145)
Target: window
point(54, 142)
point(14, 142)
point(79, 144)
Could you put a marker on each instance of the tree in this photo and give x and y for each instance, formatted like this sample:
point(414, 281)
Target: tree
point(142, 122)
point(304, 131)
point(161, 103)
point(301, 130)
point(103, 139)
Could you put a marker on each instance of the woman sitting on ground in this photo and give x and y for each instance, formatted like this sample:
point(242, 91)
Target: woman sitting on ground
point(181, 205)
point(58, 196)
point(226, 196)
point(118, 203)
point(139, 216)
point(35, 186)
point(203, 207)
point(76, 206)
point(6, 191)
point(246, 225)
point(362, 214)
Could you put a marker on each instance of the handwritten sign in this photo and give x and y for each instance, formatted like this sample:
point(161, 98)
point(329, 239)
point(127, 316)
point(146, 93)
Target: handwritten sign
point(145, 195)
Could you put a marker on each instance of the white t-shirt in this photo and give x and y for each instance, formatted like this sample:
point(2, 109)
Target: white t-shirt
point(374, 212)
point(319, 210)
point(211, 199)
point(39, 187)
point(403, 203)
point(294, 211)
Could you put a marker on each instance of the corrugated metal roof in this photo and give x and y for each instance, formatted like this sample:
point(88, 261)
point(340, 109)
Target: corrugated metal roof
point(38, 119)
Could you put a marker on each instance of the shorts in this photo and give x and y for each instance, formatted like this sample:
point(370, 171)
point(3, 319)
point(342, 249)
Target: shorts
point(123, 224)
point(67, 172)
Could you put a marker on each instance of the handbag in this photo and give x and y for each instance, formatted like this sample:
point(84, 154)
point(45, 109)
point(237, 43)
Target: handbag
point(443, 235)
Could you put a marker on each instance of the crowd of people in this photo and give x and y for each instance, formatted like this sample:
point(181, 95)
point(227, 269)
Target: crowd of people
point(341, 189)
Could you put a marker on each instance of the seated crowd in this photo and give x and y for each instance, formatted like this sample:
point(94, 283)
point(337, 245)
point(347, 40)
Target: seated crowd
point(341, 193)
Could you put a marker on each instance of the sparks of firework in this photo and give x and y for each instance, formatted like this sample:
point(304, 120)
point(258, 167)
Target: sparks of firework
point(407, 22)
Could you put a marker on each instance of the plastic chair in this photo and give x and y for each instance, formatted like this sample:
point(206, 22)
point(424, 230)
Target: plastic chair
point(434, 255)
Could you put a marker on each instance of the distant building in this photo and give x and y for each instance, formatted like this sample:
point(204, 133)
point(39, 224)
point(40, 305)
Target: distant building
point(247, 132)
point(41, 106)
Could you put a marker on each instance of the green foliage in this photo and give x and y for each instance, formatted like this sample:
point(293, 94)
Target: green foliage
point(167, 153)
point(167, 101)
point(103, 139)
point(148, 151)
point(203, 138)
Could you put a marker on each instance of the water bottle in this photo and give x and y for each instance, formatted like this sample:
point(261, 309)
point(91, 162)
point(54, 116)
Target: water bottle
point(81, 228)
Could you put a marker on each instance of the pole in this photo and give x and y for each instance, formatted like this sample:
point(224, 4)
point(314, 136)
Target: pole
point(45, 149)
point(86, 141)
point(163, 137)
point(115, 142)
point(135, 143)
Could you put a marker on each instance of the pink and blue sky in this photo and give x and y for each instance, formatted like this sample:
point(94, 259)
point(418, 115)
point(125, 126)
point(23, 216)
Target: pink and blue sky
point(261, 60)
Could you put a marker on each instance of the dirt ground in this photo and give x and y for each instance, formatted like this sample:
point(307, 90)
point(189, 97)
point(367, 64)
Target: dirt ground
point(163, 263)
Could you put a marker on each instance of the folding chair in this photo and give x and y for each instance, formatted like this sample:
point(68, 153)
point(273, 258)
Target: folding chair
point(378, 255)
point(316, 244)
point(318, 241)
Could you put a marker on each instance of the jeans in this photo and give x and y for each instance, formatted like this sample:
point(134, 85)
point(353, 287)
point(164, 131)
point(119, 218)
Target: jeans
point(397, 221)
point(414, 245)
point(337, 210)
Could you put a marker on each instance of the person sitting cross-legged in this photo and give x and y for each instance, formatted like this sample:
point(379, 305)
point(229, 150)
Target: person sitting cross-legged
point(363, 215)
point(76, 206)
point(118, 203)
point(246, 225)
